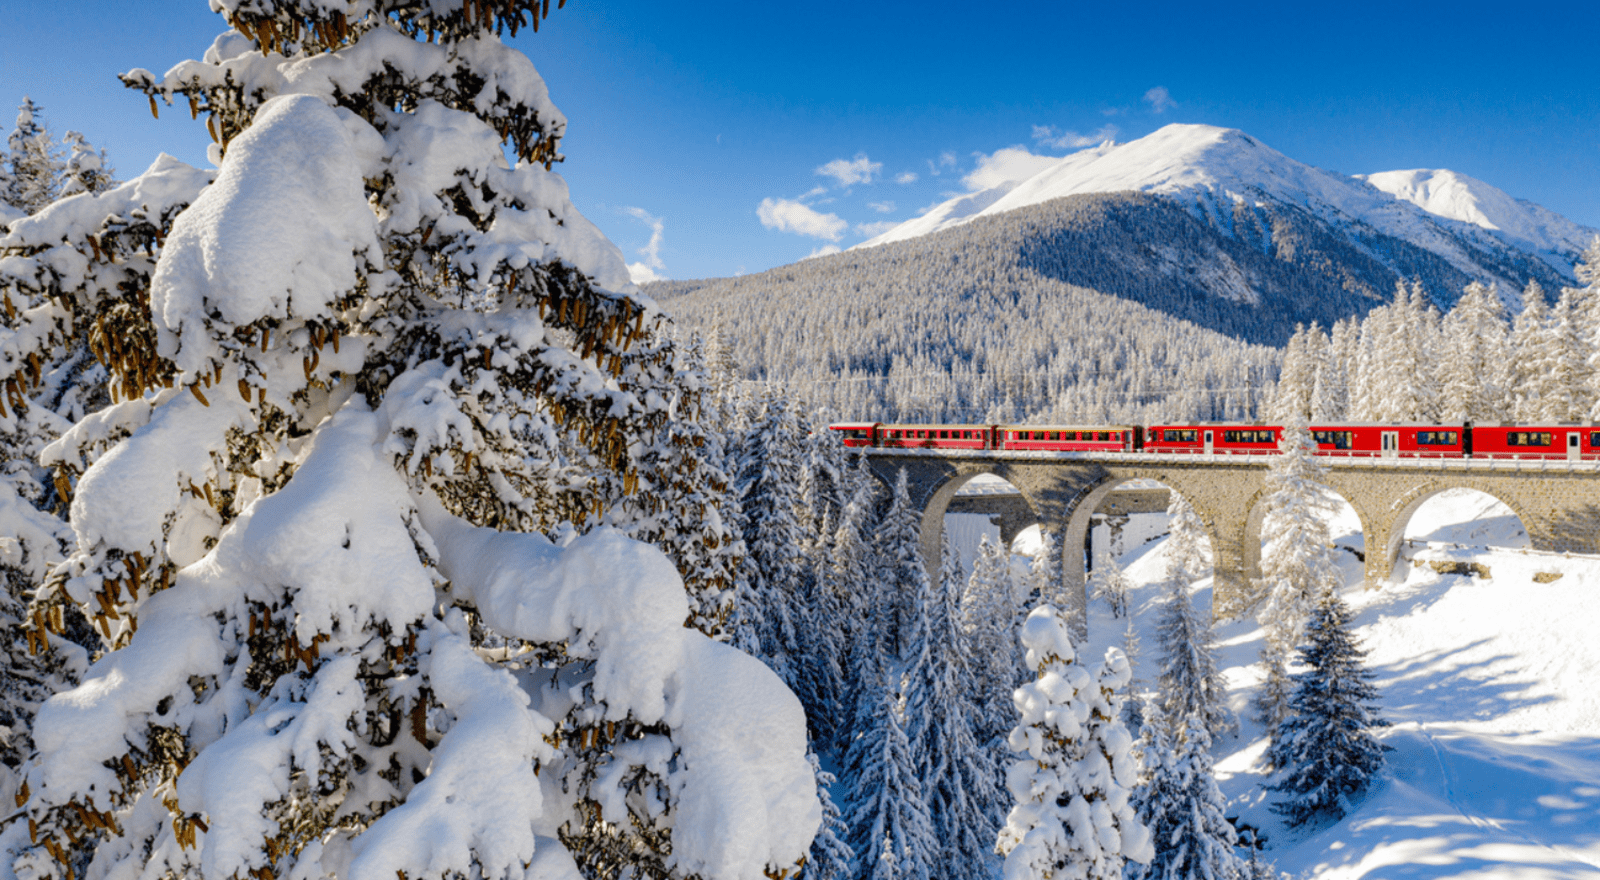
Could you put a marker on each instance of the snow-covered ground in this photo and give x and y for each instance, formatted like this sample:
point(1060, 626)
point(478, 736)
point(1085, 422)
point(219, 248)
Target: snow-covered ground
point(1489, 683)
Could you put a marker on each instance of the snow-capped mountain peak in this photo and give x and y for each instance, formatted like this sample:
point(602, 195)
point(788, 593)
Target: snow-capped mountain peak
point(1211, 170)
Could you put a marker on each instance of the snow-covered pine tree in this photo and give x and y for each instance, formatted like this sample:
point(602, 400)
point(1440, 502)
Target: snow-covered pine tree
point(1476, 333)
point(373, 358)
point(986, 615)
point(1190, 684)
point(1525, 361)
point(886, 810)
point(766, 484)
point(830, 858)
point(87, 169)
point(1564, 386)
point(1071, 784)
point(1297, 568)
point(959, 778)
point(1111, 583)
point(852, 579)
point(682, 500)
point(1133, 706)
point(33, 162)
point(1180, 804)
point(1044, 571)
point(903, 575)
point(1327, 748)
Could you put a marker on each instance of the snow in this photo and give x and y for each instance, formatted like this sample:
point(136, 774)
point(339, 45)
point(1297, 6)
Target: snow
point(1209, 169)
point(1456, 196)
point(1488, 682)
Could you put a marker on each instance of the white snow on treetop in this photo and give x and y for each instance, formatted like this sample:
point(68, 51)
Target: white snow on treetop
point(1216, 167)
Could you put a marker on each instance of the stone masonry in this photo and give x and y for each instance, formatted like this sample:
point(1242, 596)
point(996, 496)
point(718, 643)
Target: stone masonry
point(1557, 501)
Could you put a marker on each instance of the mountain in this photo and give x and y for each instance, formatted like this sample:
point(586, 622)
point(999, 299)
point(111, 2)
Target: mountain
point(1217, 174)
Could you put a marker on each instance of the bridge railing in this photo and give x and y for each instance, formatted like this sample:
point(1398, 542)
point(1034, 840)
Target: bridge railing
point(1223, 459)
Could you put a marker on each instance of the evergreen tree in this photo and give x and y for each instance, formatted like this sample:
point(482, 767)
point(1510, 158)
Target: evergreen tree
point(87, 169)
point(1044, 572)
point(373, 358)
point(33, 162)
point(903, 575)
point(1297, 568)
point(1525, 363)
point(766, 484)
point(986, 619)
point(1190, 683)
point(1111, 583)
point(886, 809)
point(1327, 748)
point(1563, 394)
point(958, 776)
point(831, 858)
point(1180, 804)
point(1476, 333)
point(1072, 815)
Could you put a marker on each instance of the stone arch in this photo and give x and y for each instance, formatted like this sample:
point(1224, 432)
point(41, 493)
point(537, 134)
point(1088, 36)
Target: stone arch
point(1075, 530)
point(1407, 505)
point(1256, 514)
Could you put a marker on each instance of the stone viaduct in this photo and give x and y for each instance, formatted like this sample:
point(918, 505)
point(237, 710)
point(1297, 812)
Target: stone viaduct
point(1558, 501)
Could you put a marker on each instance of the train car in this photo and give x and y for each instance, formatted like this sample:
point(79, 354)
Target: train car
point(1213, 438)
point(934, 436)
point(1070, 438)
point(1573, 442)
point(1370, 440)
point(856, 433)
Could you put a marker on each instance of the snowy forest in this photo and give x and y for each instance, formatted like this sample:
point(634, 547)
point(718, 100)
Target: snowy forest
point(361, 519)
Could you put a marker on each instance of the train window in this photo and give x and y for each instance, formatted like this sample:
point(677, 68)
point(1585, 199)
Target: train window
point(1170, 436)
point(1438, 438)
point(1336, 439)
point(1247, 437)
point(1528, 438)
point(1594, 438)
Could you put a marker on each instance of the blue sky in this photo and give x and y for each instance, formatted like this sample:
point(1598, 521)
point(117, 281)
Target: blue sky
point(752, 134)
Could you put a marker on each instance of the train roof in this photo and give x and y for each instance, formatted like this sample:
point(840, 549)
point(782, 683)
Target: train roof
point(1066, 427)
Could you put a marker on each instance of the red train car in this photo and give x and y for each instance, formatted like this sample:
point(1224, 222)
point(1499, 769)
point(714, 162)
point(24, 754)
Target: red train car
point(1367, 440)
point(856, 433)
point(1213, 438)
point(1070, 438)
point(1573, 442)
point(935, 436)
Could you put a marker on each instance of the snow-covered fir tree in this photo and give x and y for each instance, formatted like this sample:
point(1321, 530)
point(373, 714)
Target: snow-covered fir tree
point(373, 359)
point(902, 574)
point(1180, 804)
point(87, 169)
point(1190, 684)
point(766, 486)
point(959, 776)
point(1111, 584)
point(986, 618)
point(830, 858)
point(1525, 363)
point(1327, 748)
point(1297, 568)
point(1564, 362)
point(1475, 331)
point(1071, 783)
point(886, 810)
point(1044, 571)
point(33, 162)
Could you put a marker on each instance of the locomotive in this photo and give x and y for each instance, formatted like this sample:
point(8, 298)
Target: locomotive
point(1351, 439)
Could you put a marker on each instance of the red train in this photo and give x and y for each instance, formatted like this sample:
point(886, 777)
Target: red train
point(1574, 442)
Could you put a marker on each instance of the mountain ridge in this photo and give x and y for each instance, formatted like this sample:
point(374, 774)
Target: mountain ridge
point(1481, 230)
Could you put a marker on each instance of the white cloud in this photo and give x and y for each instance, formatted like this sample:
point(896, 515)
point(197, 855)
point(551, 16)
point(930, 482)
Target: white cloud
point(905, 177)
point(822, 251)
point(851, 171)
point(947, 159)
point(786, 215)
point(1063, 139)
point(1008, 165)
point(873, 230)
point(651, 267)
point(814, 192)
point(882, 207)
point(1159, 99)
